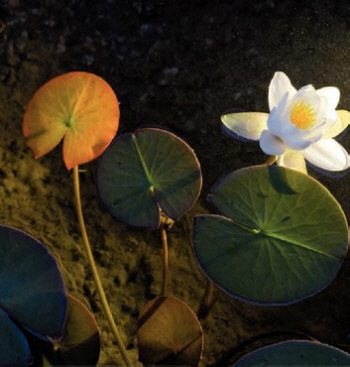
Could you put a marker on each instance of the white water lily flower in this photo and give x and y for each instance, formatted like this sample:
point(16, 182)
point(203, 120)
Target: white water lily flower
point(301, 125)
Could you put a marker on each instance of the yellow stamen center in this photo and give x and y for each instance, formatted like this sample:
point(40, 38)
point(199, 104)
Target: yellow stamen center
point(303, 115)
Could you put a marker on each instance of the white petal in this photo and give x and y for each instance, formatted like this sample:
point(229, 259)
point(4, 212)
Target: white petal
point(341, 123)
point(332, 94)
point(249, 125)
point(270, 144)
point(292, 159)
point(328, 155)
point(296, 143)
point(305, 90)
point(279, 86)
point(308, 95)
point(275, 119)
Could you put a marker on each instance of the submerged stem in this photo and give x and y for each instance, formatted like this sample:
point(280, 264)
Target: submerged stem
point(211, 295)
point(165, 223)
point(163, 235)
point(96, 276)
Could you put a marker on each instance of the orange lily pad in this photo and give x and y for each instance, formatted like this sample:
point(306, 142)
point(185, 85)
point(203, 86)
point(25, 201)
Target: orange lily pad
point(80, 108)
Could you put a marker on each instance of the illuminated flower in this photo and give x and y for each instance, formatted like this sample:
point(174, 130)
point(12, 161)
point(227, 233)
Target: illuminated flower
point(301, 125)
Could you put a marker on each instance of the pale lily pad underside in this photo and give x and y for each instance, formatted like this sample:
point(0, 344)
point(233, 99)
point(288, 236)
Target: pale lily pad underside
point(80, 108)
point(284, 237)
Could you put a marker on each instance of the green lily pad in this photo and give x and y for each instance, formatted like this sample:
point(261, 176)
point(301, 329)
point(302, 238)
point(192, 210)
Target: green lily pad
point(146, 173)
point(295, 353)
point(283, 239)
point(169, 333)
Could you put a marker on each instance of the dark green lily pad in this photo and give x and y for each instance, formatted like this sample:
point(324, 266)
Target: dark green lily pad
point(14, 348)
point(169, 333)
point(148, 172)
point(284, 237)
point(295, 353)
point(31, 287)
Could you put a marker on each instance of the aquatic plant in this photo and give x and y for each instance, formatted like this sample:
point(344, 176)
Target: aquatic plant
point(83, 110)
point(279, 237)
point(38, 320)
point(301, 125)
point(150, 178)
point(282, 238)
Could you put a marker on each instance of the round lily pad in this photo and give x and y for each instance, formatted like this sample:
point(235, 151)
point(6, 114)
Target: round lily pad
point(283, 237)
point(169, 333)
point(146, 173)
point(295, 353)
point(14, 348)
point(78, 107)
point(31, 287)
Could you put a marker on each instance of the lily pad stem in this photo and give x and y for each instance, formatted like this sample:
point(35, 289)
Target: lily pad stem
point(164, 237)
point(96, 276)
point(211, 295)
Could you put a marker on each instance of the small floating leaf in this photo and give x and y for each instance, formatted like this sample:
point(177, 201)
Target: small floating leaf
point(284, 237)
point(295, 353)
point(31, 287)
point(81, 341)
point(14, 348)
point(77, 106)
point(144, 173)
point(169, 333)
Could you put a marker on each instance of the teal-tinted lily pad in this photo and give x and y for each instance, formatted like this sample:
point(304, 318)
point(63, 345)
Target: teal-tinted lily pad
point(295, 353)
point(14, 348)
point(31, 287)
point(148, 172)
point(169, 333)
point(283, 238)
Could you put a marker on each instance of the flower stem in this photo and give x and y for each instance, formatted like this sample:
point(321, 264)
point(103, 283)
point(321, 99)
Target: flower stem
point(211, 295)
point(163, 235)
point(95, 274)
